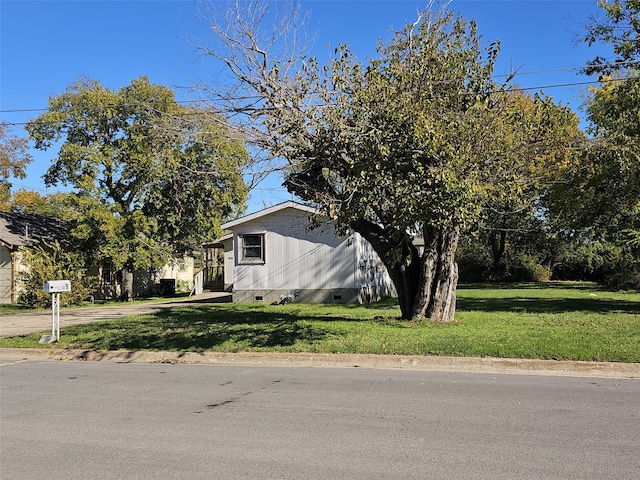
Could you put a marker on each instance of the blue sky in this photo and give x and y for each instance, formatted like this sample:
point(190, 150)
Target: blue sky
point(45, 45)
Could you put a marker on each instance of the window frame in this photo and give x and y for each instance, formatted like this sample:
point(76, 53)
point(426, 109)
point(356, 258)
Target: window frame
point(242, 249)
point(107, 274)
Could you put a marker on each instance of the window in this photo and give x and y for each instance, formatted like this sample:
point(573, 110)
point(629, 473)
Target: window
point(252, 246)
point(110, 275)
point(107, 274)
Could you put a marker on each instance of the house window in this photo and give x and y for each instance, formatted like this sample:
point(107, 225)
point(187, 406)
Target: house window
point(110, 275)
point(252, 248)
point(107, 274)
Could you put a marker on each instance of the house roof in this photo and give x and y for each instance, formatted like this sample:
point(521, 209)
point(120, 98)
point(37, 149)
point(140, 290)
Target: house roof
point(218, 242)
point(26, 230)
point(268, 211)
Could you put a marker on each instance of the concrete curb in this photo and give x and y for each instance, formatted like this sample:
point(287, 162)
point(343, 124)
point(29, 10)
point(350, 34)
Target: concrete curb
point(312, 360)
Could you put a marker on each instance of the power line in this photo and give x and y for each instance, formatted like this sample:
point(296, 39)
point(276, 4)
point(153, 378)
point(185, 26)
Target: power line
point(514, 75)
point(515, 89)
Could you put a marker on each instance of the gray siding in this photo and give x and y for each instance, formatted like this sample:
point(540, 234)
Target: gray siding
point(295, 259)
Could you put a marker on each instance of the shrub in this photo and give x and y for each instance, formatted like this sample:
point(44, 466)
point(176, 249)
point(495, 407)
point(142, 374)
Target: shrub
point(592, 261)
point(183, 286)
point(54, 263)
point(474, 262)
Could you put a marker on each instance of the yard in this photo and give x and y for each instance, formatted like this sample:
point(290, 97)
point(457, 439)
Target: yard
point(564, 321)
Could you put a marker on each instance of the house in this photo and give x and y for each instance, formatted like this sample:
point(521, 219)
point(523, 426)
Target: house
point(176, 276)
point(274, 256)
point(23, 230)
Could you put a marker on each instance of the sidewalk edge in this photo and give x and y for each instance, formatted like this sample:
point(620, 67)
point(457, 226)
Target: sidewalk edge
point(368, 361)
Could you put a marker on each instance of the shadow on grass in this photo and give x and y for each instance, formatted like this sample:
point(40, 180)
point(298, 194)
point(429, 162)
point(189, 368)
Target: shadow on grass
point(532, 286)
point(546, 305)
point(202, 328)
point(233, 327)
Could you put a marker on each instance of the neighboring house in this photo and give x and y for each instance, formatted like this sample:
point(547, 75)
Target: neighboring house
point(177, 275)
point(23, 230)
point(273, 255)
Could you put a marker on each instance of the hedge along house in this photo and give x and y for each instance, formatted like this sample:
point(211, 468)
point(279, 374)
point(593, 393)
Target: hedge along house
point(274, 256)
point(23, 230)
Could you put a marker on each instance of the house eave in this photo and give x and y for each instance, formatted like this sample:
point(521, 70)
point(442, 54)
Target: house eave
point(268, 211)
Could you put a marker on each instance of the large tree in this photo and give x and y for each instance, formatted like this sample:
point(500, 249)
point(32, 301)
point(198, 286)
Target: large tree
point(410, 143)
point(151, 179)
point(619, 29)
point(604, 194)
point(602, 201)
point(14, 158)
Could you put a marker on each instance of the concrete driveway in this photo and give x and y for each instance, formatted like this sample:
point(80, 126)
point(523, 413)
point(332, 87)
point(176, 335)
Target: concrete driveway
point(26, 323)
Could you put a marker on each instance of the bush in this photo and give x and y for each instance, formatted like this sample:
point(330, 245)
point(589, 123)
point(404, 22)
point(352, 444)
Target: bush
point(624, 280)
point(474, 262)
point(526, 268)
point(183, 286)
point(54, 263)
point(476, 265)
point(593, 261)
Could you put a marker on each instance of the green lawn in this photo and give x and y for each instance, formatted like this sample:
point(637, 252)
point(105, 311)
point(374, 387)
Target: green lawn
point(552, 321)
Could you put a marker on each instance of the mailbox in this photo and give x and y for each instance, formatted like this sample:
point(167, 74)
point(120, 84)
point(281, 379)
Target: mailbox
point(57, 286)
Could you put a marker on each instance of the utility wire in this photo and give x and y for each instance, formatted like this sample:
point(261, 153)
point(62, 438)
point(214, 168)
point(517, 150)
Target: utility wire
point(514, 74)
point(508, 90)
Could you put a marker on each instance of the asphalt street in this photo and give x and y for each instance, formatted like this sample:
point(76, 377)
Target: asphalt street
point(100, 420)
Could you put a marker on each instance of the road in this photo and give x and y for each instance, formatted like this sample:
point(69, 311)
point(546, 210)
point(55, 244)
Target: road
point(105, 420)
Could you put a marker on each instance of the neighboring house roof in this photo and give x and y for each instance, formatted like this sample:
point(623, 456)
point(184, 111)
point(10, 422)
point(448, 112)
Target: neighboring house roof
point(27, 230)
point(219, 242)
point(268, 211)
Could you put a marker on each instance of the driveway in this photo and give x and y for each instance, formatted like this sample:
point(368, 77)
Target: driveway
point(26, 323)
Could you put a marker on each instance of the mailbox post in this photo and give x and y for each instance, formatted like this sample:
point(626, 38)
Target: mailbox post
point(55, 287)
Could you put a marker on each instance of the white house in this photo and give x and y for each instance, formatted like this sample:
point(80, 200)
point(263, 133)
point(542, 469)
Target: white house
point(272, 256)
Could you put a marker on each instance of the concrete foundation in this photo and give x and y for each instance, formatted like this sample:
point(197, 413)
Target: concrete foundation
point(334, 295)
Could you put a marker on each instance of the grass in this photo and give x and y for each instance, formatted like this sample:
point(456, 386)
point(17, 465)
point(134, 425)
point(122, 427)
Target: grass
point(567, 321)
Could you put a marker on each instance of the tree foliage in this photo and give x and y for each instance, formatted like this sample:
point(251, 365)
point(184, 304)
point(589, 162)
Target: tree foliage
point(54, 261)
point(414, 142)
point(151, 179)
point(14, 158)
point(601, 203)
point(57, 205)
point(619, 28)
point(608, 182)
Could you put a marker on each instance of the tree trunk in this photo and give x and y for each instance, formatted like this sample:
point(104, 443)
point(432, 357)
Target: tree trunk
point(498, 245)
point(442, 307)
point(426, 284)
point(127, 283)
point(400, 257)
point(428, 271)
point(436, 297)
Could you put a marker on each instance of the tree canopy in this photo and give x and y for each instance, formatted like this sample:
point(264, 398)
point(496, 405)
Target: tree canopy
point(151, 178)
point(601, 200)
point(14, 158)
point(619, 28)
point(413, 143)
point(604, 194)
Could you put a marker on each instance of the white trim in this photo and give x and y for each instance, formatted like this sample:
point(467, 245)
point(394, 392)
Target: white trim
point(268, 211)
point(244, 260)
